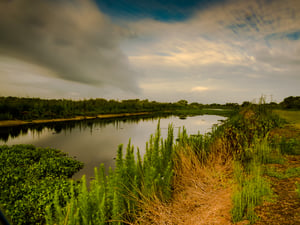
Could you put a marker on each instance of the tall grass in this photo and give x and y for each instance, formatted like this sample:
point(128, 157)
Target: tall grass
point(250, 189)
point(197, 183)
point(251, 132)
point(113, 198)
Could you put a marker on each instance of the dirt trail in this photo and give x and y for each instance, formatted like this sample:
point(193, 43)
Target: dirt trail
point(286, 207)
point(202, 195)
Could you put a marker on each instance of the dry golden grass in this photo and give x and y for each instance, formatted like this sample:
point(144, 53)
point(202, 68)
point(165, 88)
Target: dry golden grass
point(202, 193)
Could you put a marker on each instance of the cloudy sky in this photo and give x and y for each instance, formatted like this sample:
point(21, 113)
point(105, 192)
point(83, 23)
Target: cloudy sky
point(165, 50)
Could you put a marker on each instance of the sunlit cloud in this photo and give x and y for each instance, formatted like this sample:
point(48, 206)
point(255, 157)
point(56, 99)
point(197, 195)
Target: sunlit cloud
point(199, 89)
point(242, 45)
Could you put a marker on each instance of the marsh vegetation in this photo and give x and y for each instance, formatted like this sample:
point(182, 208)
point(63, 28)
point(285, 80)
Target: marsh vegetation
point(229, 172)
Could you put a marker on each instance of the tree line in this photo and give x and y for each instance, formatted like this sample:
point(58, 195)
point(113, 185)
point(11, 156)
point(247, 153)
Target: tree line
point(35, 108)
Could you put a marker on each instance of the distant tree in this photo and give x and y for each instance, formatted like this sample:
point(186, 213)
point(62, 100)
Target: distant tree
point(246, 103)
point(196, 105)
point(291, 102)
point(232, 105)
point(183, 102)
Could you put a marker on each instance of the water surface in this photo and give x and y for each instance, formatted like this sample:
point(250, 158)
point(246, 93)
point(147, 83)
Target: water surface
point(96, 141)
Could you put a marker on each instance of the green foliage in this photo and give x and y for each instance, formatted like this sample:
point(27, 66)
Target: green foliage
point(35, 108)
point(29, 176)
point(113, 198)
point(247, 135)
point(250, 190)
point(289, 146)
point(290, 172)
point(199, 143)
point(291, 102)
point(262, 152)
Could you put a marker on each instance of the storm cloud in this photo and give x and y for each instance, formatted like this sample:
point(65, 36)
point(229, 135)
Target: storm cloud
point(72, 39)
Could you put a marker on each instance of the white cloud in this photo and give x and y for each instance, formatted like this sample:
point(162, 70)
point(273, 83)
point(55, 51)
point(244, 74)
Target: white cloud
point(227, 43)
point(199, 89)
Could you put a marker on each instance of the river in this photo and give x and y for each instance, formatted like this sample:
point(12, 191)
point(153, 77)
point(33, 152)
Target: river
point(96, 141)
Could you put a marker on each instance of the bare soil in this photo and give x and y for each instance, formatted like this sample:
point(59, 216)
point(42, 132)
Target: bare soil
point(285, 210)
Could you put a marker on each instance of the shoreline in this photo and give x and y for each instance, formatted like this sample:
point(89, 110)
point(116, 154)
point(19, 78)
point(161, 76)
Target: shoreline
point(9, 123)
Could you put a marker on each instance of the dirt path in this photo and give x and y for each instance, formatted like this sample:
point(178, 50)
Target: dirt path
point(202, 195)
point(285, 210)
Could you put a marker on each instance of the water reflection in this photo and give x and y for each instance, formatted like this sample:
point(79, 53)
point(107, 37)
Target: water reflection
point(96, 141)
point(9, 133)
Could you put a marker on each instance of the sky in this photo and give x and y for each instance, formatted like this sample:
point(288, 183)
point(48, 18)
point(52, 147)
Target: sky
point(206, 51)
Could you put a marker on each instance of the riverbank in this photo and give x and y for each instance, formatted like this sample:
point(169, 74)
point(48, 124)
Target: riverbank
point(8, 123)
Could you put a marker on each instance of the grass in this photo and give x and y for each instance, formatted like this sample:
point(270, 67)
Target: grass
point(292, 117)
point(251, 188)
point(290, 172)
point(201, 195)
point(113, 199)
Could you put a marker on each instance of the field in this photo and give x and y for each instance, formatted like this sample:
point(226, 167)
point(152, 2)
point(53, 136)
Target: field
point(292, 117)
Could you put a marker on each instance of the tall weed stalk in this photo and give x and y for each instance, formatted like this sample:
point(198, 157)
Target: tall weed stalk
point(113, 198)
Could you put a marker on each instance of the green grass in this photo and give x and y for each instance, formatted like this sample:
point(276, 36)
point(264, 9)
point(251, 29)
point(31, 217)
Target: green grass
point(292, 117)
point(248, 136)
point(113, 198)
point(289, 173)
point(251, 189)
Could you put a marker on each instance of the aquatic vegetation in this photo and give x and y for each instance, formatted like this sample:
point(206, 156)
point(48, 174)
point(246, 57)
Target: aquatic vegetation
point(29, 176)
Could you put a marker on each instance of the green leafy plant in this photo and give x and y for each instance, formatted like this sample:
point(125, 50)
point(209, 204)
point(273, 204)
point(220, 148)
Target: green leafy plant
point(29, 177)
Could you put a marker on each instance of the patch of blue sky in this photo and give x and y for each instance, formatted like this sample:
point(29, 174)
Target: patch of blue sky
point(162, 10)
point(293, 36)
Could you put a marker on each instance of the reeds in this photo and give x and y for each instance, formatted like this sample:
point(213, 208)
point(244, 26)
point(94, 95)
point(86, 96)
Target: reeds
point(250, 189)
point(113, 198)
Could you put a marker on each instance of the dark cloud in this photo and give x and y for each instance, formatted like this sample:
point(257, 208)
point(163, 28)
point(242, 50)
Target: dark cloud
point(71, 38)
